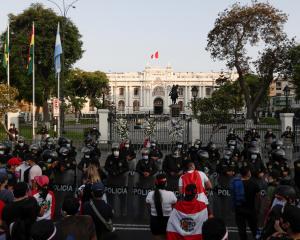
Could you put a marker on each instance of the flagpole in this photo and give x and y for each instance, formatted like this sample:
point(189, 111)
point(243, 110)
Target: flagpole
point(33, 88)
point(58, 96)
point(8, 77)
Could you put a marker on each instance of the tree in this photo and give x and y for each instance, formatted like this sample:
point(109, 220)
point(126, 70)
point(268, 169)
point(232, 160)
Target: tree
point(83, 85)
point(240, 27)
point(45, 32)
point(295, 69)
point(8, 102)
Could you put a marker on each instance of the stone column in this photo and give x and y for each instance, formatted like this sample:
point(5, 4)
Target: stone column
point(185, 97)
point(195, 130)
point(286, 120)
point(141, 97)
point(103, 125)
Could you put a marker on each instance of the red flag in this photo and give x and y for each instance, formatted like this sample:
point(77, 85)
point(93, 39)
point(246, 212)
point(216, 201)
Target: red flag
point(156, 55)
point(151, 56)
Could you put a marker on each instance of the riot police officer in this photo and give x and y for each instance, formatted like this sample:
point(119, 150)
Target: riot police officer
point(204, 164)
point(214, 155)
point(116, 165)
point(21, 148)
point(4, 154)
point(48, 161)
point(34, 152)
point(256, 164)
point(226, 168)
point(155, 154)
point(13, 133)
point(254, 135)
point(180, 146)
point(66, 158)
point(49, 143)
point(288, 136)
point(270, 136)
point(232, 136)
point(193, 150)
point(89, 157)
point(65, 142)
point(117, 169)
point(90, 143)
point(173, 167)
point(129, 154)
point(146, 168)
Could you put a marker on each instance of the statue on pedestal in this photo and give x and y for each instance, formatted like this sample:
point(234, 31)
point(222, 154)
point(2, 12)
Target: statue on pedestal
point(174, 94)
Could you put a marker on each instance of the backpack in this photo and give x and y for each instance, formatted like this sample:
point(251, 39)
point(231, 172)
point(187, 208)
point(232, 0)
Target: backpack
point(237, 191)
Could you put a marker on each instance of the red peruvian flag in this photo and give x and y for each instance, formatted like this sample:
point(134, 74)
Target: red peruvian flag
point(156, 55)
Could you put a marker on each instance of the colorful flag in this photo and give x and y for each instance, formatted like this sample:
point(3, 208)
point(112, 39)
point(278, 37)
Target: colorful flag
point(156, 54)
point(6, 50)
point(186, 220)
point(152, 55)
point(57, 52)
point(31, 53)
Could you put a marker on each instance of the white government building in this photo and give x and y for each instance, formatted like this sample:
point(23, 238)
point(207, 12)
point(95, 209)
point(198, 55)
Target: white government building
point(145, 91)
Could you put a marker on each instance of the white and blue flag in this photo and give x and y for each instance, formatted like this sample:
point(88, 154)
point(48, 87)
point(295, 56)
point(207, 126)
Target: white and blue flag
point(57, 52)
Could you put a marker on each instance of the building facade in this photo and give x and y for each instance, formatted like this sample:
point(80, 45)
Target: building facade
point(148, 91)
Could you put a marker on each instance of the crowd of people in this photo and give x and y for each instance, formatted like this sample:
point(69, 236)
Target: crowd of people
point(264, 193)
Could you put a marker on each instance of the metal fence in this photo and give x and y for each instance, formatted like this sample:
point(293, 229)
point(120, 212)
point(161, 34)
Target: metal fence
point(137, 125)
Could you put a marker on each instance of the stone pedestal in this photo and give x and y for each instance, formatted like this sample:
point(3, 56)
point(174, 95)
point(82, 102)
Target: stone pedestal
point(103, 125)
point(286, 120)
point(13, 117)
point(175, 110)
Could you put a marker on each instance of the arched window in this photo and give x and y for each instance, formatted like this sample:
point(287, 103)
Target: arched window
point(121, 106)
point(121, 91)
point(181, 107)
point(136, 106)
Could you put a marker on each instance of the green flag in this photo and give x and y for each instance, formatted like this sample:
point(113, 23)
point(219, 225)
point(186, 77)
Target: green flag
point(6, 50)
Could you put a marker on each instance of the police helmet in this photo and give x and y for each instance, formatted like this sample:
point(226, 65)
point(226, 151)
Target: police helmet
point(62, 141)
point(87, 151)
point(179, 144)
point(286, 191)
point(88, 140)
point(253, 144)
point(279, 153)
point(203, 155)
point(21, 139)
point(288, 128)
point(197, 143)
point(64, 151)
point(127, 141)
point(254, 150)
point(34, 148)
point(279, 143)
point(49, 156)
point(114, 146)
point(153, 141)
point(231, 131)
point(227, 152)
point(176, 152)
point(213, 146)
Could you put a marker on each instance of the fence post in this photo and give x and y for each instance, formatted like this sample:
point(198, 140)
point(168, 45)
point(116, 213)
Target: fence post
point(103, 125)
point(195, 130)
point(286, 120)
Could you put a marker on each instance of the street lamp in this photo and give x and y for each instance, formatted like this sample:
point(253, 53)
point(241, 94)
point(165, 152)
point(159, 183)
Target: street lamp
point(195, 91)
point(64, 8)
point(286, 91)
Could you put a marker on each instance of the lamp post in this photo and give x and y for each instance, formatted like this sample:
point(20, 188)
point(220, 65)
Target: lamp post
point(286, 91)
point(63, 8)
point(194, 91)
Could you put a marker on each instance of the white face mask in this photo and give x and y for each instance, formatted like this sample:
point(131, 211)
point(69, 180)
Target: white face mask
point(253, 156)
point(127, 145)
point(68, 145)
point(153, 144)
point(1, 152)
point(278, 202)
point(179, 146)
point(87, 156)
point(148, 145)
point(145, 157)
point(197, 146)
point(21, 144)
point(116, 153)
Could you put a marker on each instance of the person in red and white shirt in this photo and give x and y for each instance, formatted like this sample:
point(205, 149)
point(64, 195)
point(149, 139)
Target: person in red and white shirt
point(199, 178)
point(44, 197)
point(187, 217)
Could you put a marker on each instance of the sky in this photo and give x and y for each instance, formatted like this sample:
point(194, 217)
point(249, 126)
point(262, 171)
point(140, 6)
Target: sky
point(121, 35)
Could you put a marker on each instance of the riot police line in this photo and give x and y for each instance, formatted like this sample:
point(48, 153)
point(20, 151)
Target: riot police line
point(57, 159)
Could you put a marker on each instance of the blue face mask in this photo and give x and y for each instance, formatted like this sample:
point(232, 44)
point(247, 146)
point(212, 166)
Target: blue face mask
point(145, 157)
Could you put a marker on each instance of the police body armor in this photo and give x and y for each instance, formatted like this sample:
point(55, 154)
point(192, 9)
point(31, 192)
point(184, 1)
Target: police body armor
point(149, 166)
point(116, 167)
point(172, 165)
point(21, 152)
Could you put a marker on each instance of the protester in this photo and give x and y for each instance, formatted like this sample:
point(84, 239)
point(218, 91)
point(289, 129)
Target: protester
point(214, 229)
point(44, 230)
point(74, 226)
point(100, 211)
point(2, 227)
point(244, 192)
point(187, 217)
point(5, 195)
point(161, 203)
point(35, 170)
point(198, 178)
point(44, 197)
point(13, 175)
point(21, 214)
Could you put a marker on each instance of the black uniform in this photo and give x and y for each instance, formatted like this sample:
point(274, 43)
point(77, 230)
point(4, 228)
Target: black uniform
point(116, 166)
point(21, 151)
point(149, 166)
point(173, 166)
point(297, 173)
point(127, 153)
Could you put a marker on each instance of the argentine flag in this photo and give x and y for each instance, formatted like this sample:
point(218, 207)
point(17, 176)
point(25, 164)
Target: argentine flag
point(57, 52)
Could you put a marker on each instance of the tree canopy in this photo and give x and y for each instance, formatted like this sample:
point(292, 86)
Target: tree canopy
point(295, 69)
point(46, 22)
point(240, 27)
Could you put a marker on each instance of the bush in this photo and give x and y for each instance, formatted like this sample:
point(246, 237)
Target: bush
point(269, 121)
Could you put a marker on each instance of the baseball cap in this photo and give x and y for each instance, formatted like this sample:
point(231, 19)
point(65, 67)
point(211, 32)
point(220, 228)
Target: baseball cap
point(14, 161)
point(98, 186)
point(41, 180)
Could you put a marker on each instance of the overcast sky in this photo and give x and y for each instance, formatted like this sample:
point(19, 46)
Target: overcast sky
point(120, 35)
